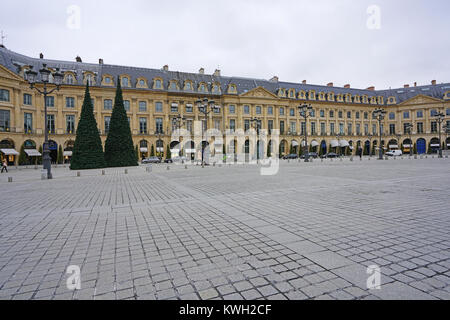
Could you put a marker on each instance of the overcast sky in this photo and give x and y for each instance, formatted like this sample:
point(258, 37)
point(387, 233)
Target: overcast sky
point(319, 41)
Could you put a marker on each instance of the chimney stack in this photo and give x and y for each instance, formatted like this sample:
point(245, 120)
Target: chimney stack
point(347, 86)
point(274, 79)
point(330, 84)
point(433, 82)
point(41, 56)
point(304, 82)
point(100, 61)
point(372, 88)
point(201, 71)
point(78, 59)
point(166, 68)
point(217, 73)
point(406, 86)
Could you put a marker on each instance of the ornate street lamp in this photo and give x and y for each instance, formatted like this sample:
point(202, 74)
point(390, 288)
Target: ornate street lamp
point(205, 106)
point(306, 111)
point(440, 118)
point(379, 115)
point(255, 123)
point(32, 79)
point(408, 131)
point(370, 136)
point(177, 123)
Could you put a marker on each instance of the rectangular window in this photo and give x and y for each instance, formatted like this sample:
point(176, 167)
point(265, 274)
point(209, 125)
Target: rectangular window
point(159, 125)
point(331, 114)
point(143, 125)
point(246, 125)
point(4, 95)
point(246, 109)
point(217, 124)
point(107, 121)
point(420, 114)
point(366, 129)
point(447, 112)
point(281, 111)
point(392, 129)
point(27, 100)
point(126, 105)
point(419, 127)
point(323, 130)
point(349, 129)
point(4, 120)
point(322, 113)
point(341, 128)
point(293, 127)
point(292, 112)
point(28, 122)
point(108, 104)
point(340, 114)
point(232, 109)
point(357, 115)
point(366, 116)
point(142, 106)
point(258, 110)
point(174, 107)
point(270, 110)
point(406, 128)
point(358, 129)
point(232, 125)
point(391, 116)
point(332, 129)
point(158, 107)
point(349, 115)
point(50, 102)
point(434, 127)
point(433, 112)
point(70, 102)
point(51, 123)
point(70, 124)
point(270, 126)
point(313, 128)
point(189, 125)
point(374, 129)
point(189, 108)
point(281, 127)
point(406, 115)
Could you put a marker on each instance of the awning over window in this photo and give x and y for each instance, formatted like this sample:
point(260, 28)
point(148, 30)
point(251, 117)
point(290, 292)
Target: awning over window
point(144, 150)
point(68, 153)
point(393, 146)
point(190, 150)
point(334, 143)
point(407, 146)
point(175, 150)
point(314, 144)
point(159, 149)
point(344, 143)
point(33, 153)
point(434, 145)
point(294, 143)
point(9, 152)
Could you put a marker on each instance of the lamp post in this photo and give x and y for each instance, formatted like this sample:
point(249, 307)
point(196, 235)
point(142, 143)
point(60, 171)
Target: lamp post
point(447, 132)
point(177, 123)
point(338, 138)
point(408, 131)
point(370, 136)
point(31, 78)
point(440, 118)
point(205, 106)
point(306, 111)
point(379, 115)
point(255, 123)
point(159, 132)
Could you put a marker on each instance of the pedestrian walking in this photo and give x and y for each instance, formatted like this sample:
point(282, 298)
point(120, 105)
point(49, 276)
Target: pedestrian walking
point(360, 151)
point(4, 165)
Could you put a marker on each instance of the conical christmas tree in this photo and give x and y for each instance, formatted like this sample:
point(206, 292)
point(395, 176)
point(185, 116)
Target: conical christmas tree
point(88, 150)
point(119, 149)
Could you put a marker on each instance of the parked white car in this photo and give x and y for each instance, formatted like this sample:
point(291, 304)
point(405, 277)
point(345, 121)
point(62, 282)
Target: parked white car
point(394, 153)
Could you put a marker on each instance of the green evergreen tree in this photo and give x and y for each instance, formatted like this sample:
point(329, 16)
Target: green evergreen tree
point(269, 154)
point(119, 150)
point(60, 157)
point(169, 153)
point(415, 149)
point(152, 151)
point(23, 158)
point(136, 150)
point(87, 150)
point(39, 159)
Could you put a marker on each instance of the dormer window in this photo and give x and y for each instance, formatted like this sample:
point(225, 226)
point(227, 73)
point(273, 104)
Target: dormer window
point(188, 86)
point(89, 79)
point(158, 84)
point(292, 93)
point(232, 88)
point(202, 87)
point(312, 95)
point(70, 79)
point(173, 85)
point(331, 96)
point(302, 95)
point(216, 89)
point(125, 82)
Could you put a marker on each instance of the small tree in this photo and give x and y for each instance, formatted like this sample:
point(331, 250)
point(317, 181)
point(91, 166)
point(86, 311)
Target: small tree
point(23, 158)
point(60, 157)
point(415, 149)
point(119, 150)
point(39, 159)
point(136, 150)
point(269, 153)
point(169, 153)
point(152, 151)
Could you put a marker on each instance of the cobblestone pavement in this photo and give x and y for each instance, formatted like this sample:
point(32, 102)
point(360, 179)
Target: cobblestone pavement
point(227, 232)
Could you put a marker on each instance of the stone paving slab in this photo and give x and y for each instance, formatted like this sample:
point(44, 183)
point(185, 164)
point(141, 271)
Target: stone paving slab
point(309, 232)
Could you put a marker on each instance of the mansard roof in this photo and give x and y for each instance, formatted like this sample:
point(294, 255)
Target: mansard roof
point(14, 61)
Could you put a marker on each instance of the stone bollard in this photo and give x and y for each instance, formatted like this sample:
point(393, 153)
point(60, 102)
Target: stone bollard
point(10, 179)
point(168, 168)
point(321, 160)
point(78, 174)
point(185, 167)
point(103, 172)
point(126, 171)
point(43, 174)
point(148, 168)
point(386, 158)
point(214, 164)
point(351, 159)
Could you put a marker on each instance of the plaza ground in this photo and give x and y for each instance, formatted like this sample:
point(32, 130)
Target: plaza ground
point(309, 232)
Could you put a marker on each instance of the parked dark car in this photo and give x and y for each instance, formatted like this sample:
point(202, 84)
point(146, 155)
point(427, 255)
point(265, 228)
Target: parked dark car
point(330, 155)
point(313, 155)
point(151, 160)
point(290, 157)
point(168, 161)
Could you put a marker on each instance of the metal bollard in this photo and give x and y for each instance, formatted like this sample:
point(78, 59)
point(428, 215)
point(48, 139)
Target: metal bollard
point(168, 168)
point(78, 174)
point(126, 171)
point(185, 167)
point(103, 172)
point(148, 168)
point(10, 179)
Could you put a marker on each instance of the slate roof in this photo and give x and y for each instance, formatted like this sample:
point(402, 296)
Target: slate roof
point(13, 61)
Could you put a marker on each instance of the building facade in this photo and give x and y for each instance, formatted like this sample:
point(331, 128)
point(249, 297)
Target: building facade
point(342, 119)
